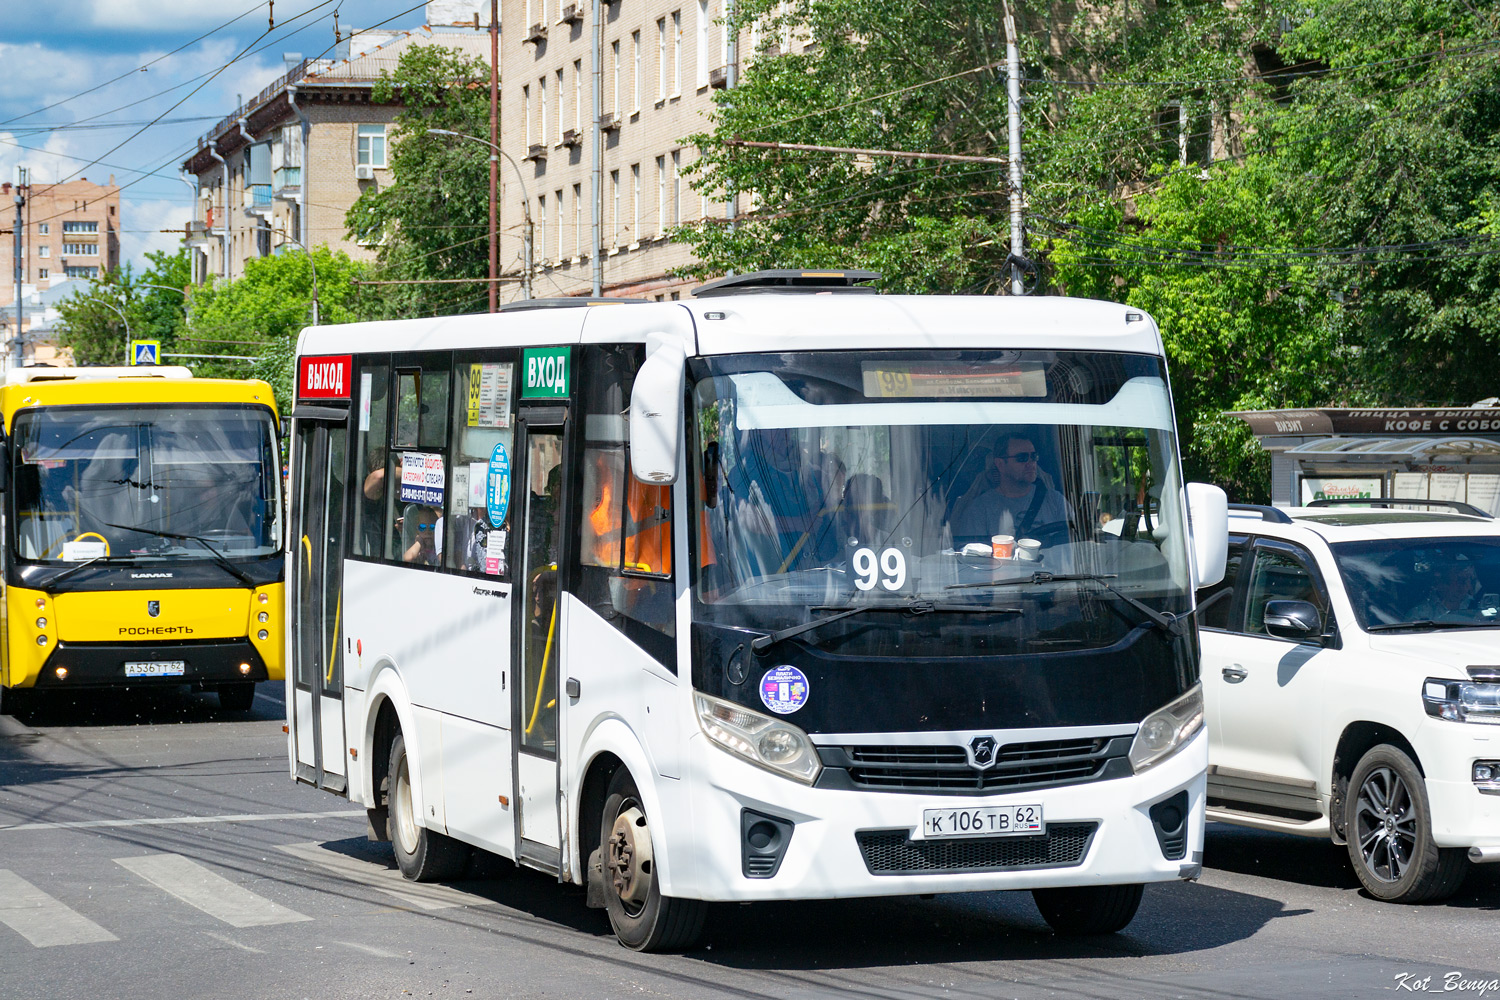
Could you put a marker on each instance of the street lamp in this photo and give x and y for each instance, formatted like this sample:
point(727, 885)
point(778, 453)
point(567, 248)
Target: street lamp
point(128, 335)
point(526, 204)
point(310, 263)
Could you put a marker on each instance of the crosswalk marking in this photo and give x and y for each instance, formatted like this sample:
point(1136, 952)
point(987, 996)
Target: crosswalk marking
point(100, 824)
point(42, 920)
point(214, 894)
point(428, 896)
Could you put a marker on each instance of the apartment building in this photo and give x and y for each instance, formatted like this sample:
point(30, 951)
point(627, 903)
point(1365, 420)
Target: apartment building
point(659, 63)
point(69, 230)
point(283, 169)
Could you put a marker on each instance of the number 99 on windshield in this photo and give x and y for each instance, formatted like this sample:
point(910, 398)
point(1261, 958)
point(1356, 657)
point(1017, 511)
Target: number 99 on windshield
point(889, 570)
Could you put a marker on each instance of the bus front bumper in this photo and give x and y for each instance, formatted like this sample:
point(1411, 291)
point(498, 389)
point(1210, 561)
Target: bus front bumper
point(205, 664)
point(864, 843)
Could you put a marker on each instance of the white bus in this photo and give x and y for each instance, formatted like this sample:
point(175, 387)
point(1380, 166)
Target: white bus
point(792, 591)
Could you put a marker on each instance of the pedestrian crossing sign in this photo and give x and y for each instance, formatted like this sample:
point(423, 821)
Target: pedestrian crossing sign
point(145, 352)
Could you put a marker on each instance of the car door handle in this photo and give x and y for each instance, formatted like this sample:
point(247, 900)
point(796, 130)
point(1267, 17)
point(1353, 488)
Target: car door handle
point(1234, 673)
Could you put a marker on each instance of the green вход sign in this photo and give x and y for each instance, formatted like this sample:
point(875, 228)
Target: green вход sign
point(544, 373)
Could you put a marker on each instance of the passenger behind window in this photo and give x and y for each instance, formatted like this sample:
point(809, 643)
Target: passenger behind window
point(420, 526)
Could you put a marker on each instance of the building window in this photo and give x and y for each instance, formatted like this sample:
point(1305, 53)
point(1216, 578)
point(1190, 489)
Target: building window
point(81, 272)
point(614, 57)
point(635, 202)
point(42, 274)
point(79, 227)
point(542, 113)
point(702, 51)
point(80, 249)
point(44, 251)
point(614, 189)
point(577, 220)
point(541, 225)
point(526, 114)
point(676, 187)
point(661, 60)
point(635, 49)
point(560, 243)
point(558, 96)
point(724, 35)
point(43, 228)
point(661, 195)
point(371, 149)
point(578, 96)
point(676, 53)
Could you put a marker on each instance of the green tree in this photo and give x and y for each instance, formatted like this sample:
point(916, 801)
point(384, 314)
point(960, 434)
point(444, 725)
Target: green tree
point(260, 315)
point(149, 301)
point(432, 221)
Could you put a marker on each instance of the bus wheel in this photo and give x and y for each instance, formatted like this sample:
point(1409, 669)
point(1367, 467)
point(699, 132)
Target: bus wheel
point(1088, 909)
point(643, 919)
point(236, 697)
point(423, 855)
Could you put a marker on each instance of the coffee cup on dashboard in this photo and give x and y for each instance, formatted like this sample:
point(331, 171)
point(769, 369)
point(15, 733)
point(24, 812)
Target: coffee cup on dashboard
point(1004, 546)
point(1029, 548)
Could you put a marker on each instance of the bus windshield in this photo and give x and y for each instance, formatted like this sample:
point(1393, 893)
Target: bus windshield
point(144, 481)
point(1041, 483)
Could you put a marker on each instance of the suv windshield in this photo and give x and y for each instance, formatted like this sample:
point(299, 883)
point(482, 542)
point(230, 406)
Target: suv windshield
point(91, 479)
point(832, 480)
point(1453, 581)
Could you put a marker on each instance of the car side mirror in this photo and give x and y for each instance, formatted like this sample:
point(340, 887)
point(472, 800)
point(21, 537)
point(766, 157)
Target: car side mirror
point(1297, 620)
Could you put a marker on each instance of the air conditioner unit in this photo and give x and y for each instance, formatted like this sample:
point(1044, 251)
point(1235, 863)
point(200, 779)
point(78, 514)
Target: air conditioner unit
point(364, 173)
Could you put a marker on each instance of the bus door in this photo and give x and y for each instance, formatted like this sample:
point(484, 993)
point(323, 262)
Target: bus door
point(538, 486)
point(315, 699)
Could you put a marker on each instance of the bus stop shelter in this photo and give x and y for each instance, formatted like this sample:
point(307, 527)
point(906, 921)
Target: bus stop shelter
point(1450, 453)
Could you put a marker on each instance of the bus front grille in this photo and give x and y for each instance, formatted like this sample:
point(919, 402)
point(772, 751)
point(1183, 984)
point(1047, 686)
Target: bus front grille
point(1017, 766)
point(893, 852)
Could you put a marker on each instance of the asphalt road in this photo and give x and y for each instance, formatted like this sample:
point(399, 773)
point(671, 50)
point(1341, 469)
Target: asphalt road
point(155, 847)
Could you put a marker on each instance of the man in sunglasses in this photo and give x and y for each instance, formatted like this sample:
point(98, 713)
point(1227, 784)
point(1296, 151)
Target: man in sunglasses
point(1010, 497)
point(419, 533)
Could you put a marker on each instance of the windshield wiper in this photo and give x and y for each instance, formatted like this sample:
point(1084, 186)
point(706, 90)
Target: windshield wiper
point(59, 578)
point(1170, 624)
point(218, 556)
point(914, 608)
point(1428, 623)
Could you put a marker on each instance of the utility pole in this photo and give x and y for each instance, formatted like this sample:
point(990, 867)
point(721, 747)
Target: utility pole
point(596, 173)
point(17, 349)
point(1013, 92)
point(494, 160)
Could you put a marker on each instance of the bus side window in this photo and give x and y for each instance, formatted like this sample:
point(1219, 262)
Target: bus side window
point(370, 461)
point(625, 526)
point(482, 423)
point(417, 467)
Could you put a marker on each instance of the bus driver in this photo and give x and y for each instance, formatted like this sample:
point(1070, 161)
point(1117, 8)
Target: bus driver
point(1010, 497)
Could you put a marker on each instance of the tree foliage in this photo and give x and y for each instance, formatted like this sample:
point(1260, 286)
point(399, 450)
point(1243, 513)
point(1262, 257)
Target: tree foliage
point(1330, 238)
point(96, 319)
point(433, 221)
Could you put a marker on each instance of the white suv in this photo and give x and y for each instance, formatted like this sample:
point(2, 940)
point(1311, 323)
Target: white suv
point(1351, 681)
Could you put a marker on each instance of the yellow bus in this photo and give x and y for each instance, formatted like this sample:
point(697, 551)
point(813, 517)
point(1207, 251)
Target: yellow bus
point(142, 532)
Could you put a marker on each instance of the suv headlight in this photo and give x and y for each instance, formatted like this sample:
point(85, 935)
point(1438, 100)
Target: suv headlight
point(1167, 730)
point(1476, 700)
point(763, 741)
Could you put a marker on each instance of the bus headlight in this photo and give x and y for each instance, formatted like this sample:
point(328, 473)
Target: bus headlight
point(1167, 730)
point(763, 741)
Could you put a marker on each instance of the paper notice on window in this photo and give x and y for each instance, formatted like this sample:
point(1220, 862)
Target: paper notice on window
point(1446, 486)
point(1484, 493)
point(478, 481)
point(494, 553)
point(460, 486)
point(422, 478)
point(489, 395)
point(366, 381)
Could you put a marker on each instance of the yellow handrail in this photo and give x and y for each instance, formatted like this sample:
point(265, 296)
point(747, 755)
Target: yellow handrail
point(541, 681)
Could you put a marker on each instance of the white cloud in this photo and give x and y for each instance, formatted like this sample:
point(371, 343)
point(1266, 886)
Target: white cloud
point(140, 222)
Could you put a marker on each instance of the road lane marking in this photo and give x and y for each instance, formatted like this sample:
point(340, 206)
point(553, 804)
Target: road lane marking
point(97, 824)
point(214, 894)
point(427, 895)
point(42, 920)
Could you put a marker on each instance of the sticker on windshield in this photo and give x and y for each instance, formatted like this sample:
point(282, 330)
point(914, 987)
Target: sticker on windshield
point(784, 689)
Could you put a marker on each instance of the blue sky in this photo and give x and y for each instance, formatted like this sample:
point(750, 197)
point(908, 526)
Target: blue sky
point(52, 52)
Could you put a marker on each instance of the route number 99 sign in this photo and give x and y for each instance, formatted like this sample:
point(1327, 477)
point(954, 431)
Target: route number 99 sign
point(889, 570)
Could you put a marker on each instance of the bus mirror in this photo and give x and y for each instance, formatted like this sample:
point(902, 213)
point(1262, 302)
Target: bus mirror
point(1208, 511)
point(656, 412)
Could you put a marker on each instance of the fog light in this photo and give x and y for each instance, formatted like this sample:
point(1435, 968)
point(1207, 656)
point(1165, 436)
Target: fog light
point(41, 640)
point(263, 635)
point(41, 623)
point(1487, 776)
point(244, 668)
point(62, 673)
point(264, 617)
point(262, 598)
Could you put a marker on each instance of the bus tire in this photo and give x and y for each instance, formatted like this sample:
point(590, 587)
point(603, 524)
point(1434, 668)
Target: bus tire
point(423, 855)
point(643, 919)
point(1088, 909)
point(236, 697)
